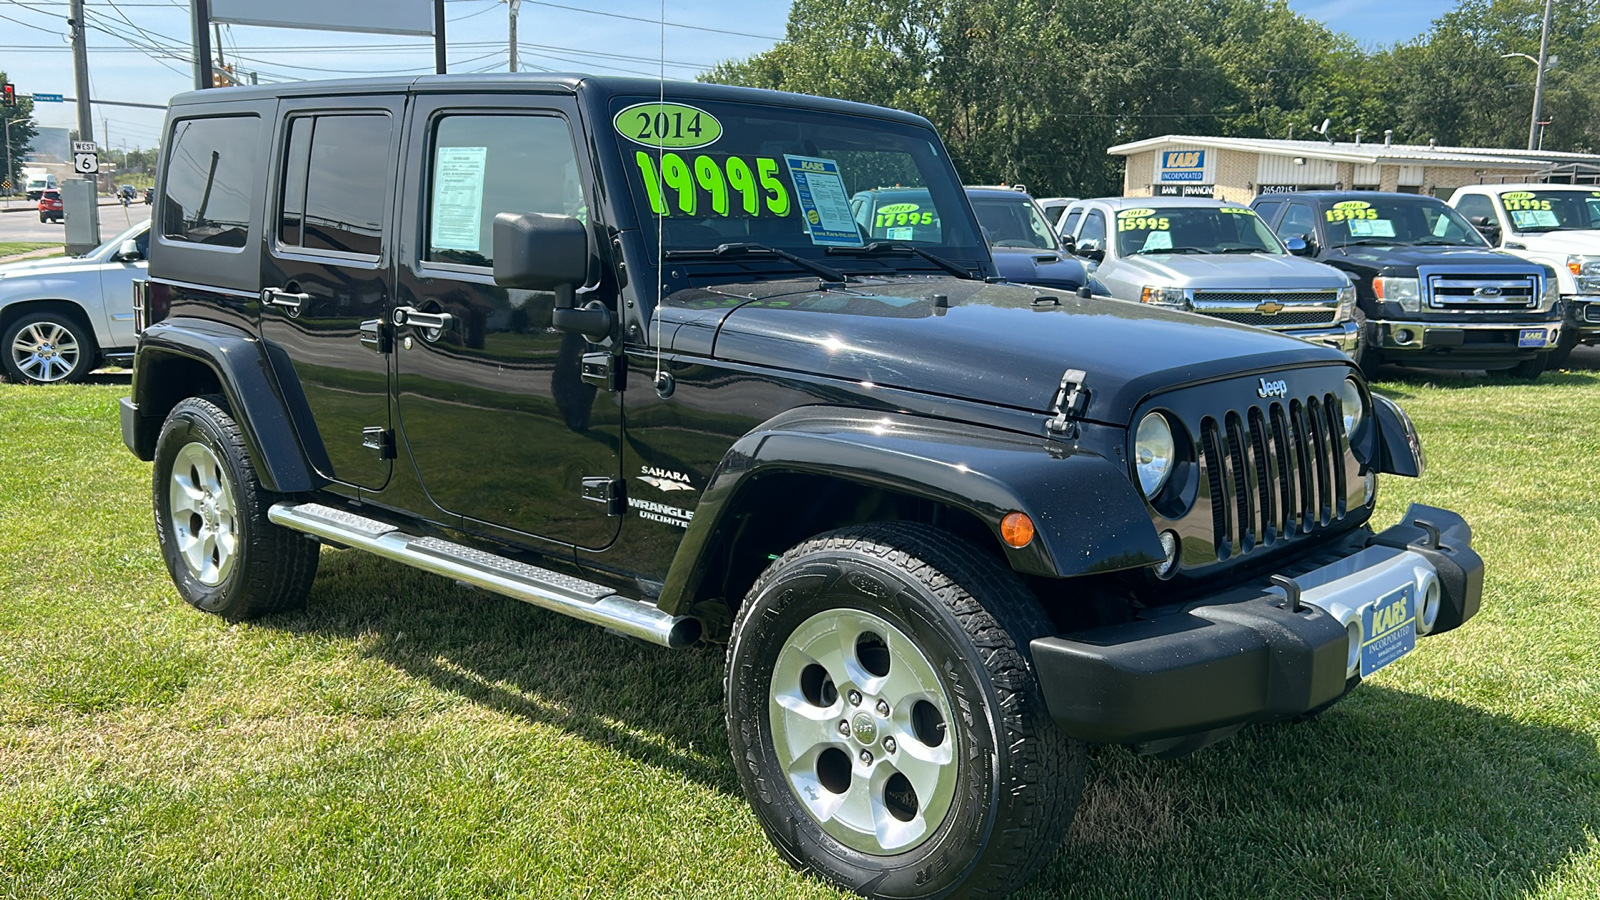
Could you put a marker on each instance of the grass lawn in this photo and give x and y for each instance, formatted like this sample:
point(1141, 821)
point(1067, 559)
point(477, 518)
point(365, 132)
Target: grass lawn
point(12, 248)
point(408, 738)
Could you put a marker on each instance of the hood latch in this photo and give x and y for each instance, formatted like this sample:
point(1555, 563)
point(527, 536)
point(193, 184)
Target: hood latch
point(1071, 397)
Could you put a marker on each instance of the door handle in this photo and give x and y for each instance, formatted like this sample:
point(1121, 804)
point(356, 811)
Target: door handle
point(416, 318)
point(277, 297)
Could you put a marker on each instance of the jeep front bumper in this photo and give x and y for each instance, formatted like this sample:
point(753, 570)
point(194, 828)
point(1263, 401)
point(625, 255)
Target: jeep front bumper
point(1243, 655)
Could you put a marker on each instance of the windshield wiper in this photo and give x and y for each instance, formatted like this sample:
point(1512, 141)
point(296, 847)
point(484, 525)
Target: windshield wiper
point(1242, 250)
point(826, 273)
point(877, 247)
point(1382, 242)
point(1433, 243)
point(1169, 250)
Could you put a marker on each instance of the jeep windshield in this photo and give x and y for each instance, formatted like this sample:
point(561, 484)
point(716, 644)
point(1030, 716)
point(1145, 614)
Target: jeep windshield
point(1395, 221)
point(1144, 231)
point(712, 173)
point(1543, 211)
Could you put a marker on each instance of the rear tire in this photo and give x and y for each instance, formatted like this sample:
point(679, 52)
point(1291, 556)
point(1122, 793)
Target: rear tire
point(224, 556)
point(949, 778)
point(50, 347)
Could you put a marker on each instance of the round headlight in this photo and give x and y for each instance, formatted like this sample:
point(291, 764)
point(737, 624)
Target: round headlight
point(1355, 412)
point(1152, 453)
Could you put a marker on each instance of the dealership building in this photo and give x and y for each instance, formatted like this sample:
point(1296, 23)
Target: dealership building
point(1240, 169)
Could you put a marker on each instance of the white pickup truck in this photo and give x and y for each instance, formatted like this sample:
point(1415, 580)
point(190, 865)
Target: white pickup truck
point(1555, 224)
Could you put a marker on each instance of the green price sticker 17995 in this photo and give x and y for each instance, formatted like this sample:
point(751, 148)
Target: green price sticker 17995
point(753, 187)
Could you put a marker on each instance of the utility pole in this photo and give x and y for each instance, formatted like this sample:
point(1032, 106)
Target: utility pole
point(514, 5)
point(1538, 81)
point(80, 72)
point(200, 33)
point(438, 35)
point(84, 233)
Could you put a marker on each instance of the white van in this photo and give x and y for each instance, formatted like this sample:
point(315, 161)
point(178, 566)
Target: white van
point(1555, 224)
point(38, 184)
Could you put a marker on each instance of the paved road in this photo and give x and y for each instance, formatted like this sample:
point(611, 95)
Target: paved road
point(25, 226)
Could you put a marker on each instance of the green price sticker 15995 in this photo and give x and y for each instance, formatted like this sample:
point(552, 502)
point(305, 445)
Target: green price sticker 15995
point(756, 187)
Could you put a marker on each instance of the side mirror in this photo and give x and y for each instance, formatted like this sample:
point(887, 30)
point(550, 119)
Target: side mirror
point(1298, 246)
point(1068, 244)
point(128, 251)
point(1091, 249)
point(544, 252)
point(1486, 227)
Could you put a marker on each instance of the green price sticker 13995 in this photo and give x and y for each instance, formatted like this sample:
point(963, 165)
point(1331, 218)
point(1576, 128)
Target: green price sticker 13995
point(731, 187)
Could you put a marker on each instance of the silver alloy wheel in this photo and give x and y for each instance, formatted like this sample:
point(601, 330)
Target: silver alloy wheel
point(205, 519)
point(859, 724)
point(46, 351)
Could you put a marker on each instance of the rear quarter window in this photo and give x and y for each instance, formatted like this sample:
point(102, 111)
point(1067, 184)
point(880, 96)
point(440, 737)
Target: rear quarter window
point(210, 173)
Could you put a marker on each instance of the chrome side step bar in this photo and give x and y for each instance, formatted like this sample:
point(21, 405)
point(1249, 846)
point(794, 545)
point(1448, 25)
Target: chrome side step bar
point(593, 603)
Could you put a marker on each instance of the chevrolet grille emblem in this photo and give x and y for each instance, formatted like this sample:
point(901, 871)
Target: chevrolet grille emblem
point(1269, 307)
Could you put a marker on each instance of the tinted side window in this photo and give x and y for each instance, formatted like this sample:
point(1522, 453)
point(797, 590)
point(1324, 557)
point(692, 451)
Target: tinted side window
point(1094, 229)
point(1298, 220)
point(292, 205)
point(210, 170)
point(346, 180)
point(1268, 209)
point(1071, 223)
point(485, 165)
point(1476, 205)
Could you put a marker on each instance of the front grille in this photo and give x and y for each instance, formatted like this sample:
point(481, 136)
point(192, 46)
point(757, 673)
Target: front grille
point(1274, 471)
point(1592, 313)
point(1297, 309)
point(1489, 292)
point(1281, 320)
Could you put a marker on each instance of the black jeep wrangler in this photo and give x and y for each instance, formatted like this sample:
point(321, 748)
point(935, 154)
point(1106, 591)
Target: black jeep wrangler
point(1430, 291)
point(627, 356)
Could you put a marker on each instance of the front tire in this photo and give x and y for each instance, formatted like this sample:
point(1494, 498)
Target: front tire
point(48, 348)
point(1530, 369)
point(885, 719)
point(224, 556)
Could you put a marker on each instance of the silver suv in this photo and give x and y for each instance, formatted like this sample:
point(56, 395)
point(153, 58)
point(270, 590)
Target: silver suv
point(62, 318)
point(1210, 257)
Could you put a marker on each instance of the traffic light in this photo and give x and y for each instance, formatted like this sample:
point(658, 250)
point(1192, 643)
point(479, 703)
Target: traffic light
point(10, 91)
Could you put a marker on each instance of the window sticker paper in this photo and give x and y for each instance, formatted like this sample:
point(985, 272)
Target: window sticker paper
point(1382, 228)
point(823, 201)
point(1534, 218)
point(458, 198)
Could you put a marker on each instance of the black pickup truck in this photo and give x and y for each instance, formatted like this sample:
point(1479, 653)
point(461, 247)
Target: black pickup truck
point(1429, 290)
point(632, 360)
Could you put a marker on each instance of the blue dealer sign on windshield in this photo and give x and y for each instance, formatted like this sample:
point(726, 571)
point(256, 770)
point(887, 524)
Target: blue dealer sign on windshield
point(1183, 165)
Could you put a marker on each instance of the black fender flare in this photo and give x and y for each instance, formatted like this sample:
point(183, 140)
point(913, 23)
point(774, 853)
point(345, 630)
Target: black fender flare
point(1399, 446)
point(1087, 514)
point(239, 363)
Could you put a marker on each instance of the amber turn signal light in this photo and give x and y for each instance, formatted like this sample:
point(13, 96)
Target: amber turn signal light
point(1016, 529)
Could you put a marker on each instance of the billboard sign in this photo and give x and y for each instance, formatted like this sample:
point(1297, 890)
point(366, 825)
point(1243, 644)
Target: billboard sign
point(381, 16)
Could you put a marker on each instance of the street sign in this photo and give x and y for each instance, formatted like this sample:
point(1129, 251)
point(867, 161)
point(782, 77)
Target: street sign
point(47, 98)
point(85, 158)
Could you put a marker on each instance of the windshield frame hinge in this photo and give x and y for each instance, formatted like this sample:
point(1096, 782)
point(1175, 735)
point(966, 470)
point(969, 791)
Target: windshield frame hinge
point(1070, 400)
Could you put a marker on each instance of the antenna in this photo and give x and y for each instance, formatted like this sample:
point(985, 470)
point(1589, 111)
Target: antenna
point(661, 217)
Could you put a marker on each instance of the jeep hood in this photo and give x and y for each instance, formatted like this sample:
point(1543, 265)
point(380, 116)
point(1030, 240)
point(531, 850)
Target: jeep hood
point(997, 344)
point(1233, 271)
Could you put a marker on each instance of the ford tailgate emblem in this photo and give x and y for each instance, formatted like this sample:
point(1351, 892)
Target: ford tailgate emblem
point(1278, 388)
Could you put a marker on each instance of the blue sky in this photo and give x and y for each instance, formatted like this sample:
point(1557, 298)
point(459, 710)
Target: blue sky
point(133, 45)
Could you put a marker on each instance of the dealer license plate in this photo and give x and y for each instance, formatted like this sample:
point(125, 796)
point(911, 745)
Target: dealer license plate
point(1390, 626)
point(1531, 337)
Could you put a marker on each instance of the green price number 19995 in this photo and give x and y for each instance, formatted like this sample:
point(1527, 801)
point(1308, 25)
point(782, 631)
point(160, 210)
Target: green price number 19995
point(722, 184)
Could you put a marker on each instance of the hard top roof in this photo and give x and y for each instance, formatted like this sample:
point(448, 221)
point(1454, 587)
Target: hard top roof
point(543, 82)
point(1139, 202)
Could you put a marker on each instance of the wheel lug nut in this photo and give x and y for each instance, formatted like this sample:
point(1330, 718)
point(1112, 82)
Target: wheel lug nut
point(855, 698)
point(883, 707)
point(866, 757)
point(844, 728)
point(889, 744)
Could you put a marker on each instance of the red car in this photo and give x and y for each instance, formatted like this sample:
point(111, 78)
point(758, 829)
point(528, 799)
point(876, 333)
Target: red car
point(50, 206)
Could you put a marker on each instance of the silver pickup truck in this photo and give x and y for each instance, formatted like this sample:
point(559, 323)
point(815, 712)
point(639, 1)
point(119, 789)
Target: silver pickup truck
point(1210, 257)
